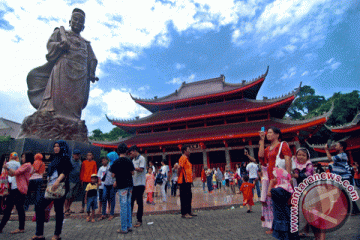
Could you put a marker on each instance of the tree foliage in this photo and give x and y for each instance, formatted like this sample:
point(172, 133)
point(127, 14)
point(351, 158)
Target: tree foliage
point(305, 103)
point(309, 105)
point(113, 135)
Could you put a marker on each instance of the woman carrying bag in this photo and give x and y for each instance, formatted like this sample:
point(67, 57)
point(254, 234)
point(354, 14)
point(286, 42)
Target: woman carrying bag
point(57, 187)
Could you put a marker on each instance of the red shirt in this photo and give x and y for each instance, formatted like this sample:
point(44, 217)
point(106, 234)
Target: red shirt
point(270, 157)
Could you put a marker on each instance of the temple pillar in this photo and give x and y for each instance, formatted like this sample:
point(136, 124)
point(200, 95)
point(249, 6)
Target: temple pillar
point(297, 145)
point(251, 152)
point(205, 158)
point(227, 157)
point(351, 157)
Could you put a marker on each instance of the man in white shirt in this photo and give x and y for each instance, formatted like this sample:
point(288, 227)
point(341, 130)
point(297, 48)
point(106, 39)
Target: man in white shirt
point(253, 169)
point(139, 179)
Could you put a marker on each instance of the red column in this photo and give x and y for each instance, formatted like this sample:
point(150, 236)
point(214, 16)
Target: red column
point(351, 157)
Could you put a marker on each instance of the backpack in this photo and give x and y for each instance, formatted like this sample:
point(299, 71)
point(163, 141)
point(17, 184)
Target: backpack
point(159, 178)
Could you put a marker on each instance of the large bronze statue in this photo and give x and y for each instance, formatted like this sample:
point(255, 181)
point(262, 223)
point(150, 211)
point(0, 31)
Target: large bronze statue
point(59, 90)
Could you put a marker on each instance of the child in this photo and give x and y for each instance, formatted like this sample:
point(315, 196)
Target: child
point(247, 190)
point(214, 180)
point(88, 167)
point(232, 181)
point(91, 197)
point(101, 176)
point(150, 186)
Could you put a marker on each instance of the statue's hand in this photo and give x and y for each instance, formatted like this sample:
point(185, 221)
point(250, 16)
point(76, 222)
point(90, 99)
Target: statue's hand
point(93, 78)
point(64, 45)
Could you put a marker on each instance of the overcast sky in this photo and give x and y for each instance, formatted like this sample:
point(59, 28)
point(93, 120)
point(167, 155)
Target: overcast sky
point(148, 48)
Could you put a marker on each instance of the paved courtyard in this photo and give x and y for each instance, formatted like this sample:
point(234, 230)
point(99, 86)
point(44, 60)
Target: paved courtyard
point(209, 224)
point(220, 216)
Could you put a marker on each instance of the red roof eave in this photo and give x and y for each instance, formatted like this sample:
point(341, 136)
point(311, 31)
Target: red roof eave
point(201, 97)
point(290, 99)
point(346, 130)
point(217, 138)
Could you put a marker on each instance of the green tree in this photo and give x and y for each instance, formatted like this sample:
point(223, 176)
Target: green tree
point(346, 106)
point(97, 134)
point(305, 103)
point(113, 135)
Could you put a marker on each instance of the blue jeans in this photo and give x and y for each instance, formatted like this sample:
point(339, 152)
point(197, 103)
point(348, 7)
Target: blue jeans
point(108, 196)
point(125, 208)
point(252, 180)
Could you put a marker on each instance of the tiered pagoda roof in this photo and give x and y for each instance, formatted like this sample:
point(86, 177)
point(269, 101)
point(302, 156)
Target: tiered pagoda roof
point(277, 108)
point(348, 132)
point(202, 91)
point(241, 130)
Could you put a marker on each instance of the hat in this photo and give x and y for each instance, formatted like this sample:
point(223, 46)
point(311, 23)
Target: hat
point(76, 151)
point(94, 175)
point(13, 155)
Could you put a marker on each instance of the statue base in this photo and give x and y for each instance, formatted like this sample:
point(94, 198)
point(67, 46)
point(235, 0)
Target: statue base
point(45, 125)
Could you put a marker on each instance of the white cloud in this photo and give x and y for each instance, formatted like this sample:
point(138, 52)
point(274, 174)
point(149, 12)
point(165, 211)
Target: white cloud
point(114, 103)
point(180, 80)
point(290, 48)
point(179, 66)
point(335, 65)
point(305, 73)
point(290, 73)
point(330, 60)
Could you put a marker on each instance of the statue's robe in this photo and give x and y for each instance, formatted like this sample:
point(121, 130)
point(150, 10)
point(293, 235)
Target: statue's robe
point(62, 85)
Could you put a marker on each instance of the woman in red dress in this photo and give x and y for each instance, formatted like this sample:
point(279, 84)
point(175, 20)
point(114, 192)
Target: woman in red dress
point(267, 158)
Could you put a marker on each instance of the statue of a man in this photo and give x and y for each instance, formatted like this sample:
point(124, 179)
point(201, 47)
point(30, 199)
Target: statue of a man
point(61, 86)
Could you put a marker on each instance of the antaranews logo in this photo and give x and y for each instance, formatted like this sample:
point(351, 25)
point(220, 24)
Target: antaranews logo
point(325, 202)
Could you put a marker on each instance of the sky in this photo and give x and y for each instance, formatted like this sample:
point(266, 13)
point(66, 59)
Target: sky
point(148, 48)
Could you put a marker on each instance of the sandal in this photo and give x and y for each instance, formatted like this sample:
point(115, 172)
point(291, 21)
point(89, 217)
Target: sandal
point(111, 218)
point(18, 231)
point(93, 220)
point(101, 218)
point(37, 238)
point(88, 219)
point(121, 231)
point(138, 224)
point(56, 238)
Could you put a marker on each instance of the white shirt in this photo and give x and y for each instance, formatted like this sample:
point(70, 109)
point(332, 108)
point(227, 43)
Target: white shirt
point(14, 165)
point(100, 174)
point(165, 171)
point(252, 169)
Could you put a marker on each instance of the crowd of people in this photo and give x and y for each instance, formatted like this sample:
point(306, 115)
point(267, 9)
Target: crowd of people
point(126, 172)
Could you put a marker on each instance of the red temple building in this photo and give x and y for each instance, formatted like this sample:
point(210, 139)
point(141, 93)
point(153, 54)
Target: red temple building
point(350, 133)
point(217, 119)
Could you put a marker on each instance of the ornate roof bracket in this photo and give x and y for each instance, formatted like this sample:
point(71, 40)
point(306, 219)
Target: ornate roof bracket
point(322, 146)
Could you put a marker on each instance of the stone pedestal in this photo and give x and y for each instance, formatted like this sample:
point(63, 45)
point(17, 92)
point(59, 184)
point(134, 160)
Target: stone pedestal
point(44, 125)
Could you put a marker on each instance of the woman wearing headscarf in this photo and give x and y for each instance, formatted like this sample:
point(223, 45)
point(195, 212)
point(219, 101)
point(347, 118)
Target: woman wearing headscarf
point(18, 190)
point(57, 172)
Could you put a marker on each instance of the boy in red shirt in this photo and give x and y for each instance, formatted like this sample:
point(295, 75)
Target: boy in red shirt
point(247, 190)
point(88, 167)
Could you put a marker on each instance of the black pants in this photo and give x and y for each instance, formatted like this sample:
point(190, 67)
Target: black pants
point(137, 195)
point(17, 199)
point(185, 198)
point(40, 215)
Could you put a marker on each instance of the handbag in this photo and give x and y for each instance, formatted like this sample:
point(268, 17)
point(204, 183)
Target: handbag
point(4, 184)
point(280, 162)
point(58, 193)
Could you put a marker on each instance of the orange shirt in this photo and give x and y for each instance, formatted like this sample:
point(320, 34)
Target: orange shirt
point(87, 169)
point(186, 167)
point(246, 189)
